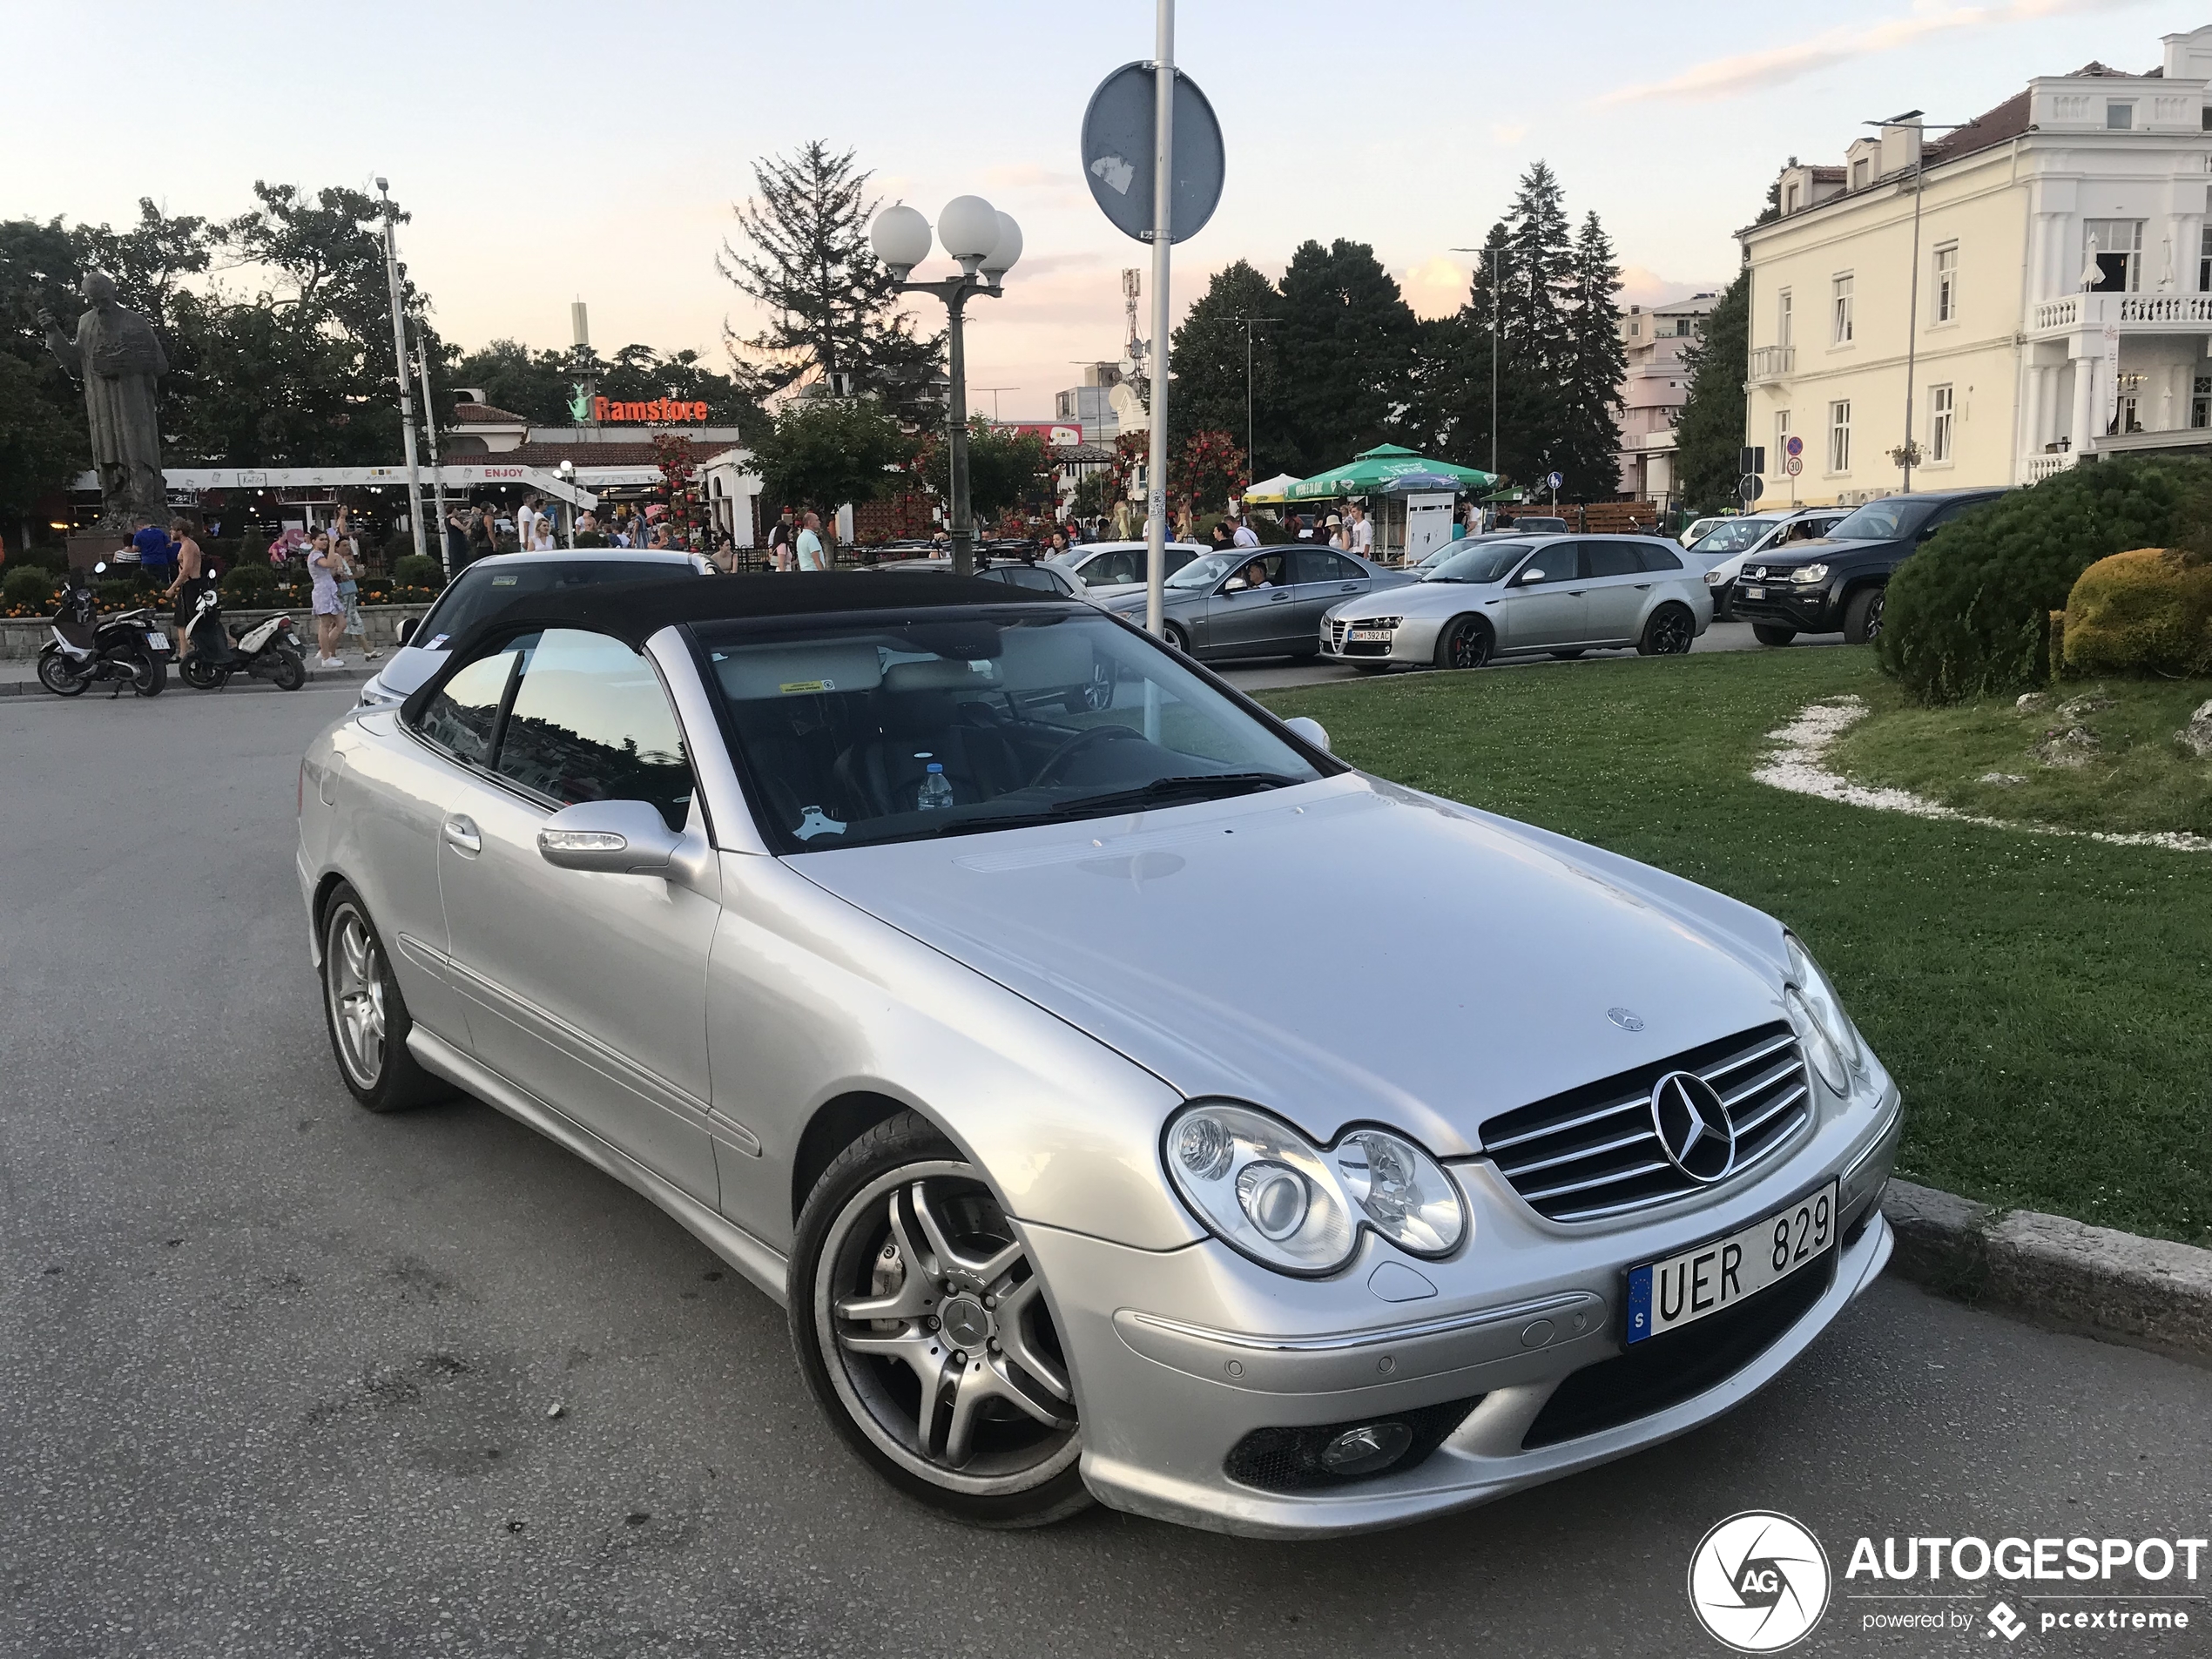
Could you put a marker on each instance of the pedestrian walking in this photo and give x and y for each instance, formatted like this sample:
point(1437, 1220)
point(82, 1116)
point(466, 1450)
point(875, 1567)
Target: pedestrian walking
point(329, 611)
point(811, 554)
point(156, 553)
point(1362, 533)
point(484, 536)
point(456, 534)
point(526, 523)
point(1338, 538)
point(190, 581)
point(781, 535)
point(1246, 535)
point(1219, 536)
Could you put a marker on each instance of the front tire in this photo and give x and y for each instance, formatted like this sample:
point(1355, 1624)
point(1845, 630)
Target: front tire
point(1465, 643)
point(1862, 615)
point(1669, 633)
point(55, 674)
point(1767, 633)
point(1177, 640)
point(202, 674)
point(921, 1325)
point(367, 1016)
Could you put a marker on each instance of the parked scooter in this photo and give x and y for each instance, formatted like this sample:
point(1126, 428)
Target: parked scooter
point(267, 650)
point(127, 648)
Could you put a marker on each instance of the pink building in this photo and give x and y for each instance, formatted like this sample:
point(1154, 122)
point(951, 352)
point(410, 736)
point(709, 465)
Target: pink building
point(1654, 390)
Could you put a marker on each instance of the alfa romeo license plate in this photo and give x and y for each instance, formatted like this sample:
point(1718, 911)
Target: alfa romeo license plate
point(1666, 1295)
point(1369, 633)
point(1755, 593)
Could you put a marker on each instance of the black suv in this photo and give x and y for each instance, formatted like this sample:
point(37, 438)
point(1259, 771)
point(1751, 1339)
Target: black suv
point(1837, 582)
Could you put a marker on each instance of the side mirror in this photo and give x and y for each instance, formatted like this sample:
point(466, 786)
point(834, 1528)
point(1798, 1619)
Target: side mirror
point(612, 837)
point(1312, 730)
point(408, 625)
point(1235, 585)
point(1528, 577)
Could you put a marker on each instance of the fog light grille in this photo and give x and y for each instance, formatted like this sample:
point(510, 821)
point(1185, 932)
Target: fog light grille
point(1294, 1460)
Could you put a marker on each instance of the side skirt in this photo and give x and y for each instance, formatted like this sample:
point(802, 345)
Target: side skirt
point(767, 1270)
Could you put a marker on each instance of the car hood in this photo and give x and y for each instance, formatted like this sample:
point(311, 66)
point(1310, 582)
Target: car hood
point(1416, 598)
point(1339, 952)
point(1813, 552)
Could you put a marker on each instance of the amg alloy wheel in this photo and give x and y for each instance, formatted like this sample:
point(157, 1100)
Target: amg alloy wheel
point(1465, 643)
point(1175, 637)
point(365, 1013)
point(921, 1325)
point(1669, 633)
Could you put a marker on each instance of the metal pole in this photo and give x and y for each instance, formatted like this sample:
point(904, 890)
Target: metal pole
point(963, 521)
point(1494, 367)
point(1248, 401)
point(437, 472)
point(399, 359)
point(1912, 309)
point(1155, 525)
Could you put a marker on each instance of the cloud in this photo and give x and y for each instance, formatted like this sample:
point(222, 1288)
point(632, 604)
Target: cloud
point(1642, 286)
point(1508, 133)
point(1756, 71)
point(1435, 288)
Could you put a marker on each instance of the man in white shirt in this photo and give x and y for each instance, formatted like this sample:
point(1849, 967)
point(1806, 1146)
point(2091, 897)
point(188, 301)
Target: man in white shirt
point(1245, 536)
point(1363, 534)
point(811, 554)
point(526, 524)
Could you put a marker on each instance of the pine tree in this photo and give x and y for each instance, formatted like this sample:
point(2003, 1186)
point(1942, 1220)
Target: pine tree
point(833, 304)
point(1709, 435)
point(1590, 434)
point(1346, 349)
point(1208, 363)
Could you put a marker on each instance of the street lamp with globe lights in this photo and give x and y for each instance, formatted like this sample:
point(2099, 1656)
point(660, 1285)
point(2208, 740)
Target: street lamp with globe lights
point(567, 471)
point(986, 243)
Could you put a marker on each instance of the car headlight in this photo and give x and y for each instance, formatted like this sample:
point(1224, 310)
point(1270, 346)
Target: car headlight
point(373, 695)
point(1714, 579)
point(1835, 1047)
point(1264, 1190)
point(1806, 575)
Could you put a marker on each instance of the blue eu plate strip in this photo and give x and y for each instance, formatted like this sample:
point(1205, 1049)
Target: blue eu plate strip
point(1639, 1304)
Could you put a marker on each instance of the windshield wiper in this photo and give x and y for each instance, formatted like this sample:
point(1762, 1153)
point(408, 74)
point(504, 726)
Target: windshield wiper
point(1161, 791)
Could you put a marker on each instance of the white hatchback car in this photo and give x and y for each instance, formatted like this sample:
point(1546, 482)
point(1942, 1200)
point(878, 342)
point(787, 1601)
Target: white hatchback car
point(1108, 569)
point(492, 582)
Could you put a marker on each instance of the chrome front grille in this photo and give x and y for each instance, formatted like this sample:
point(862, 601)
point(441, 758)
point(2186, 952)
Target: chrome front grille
point(1592, 1153)
point(1338, 628)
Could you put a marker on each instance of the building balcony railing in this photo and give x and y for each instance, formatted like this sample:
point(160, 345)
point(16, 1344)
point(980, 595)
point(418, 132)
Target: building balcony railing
point(2042, 467)
point(1772, 362)
point(2131, 313)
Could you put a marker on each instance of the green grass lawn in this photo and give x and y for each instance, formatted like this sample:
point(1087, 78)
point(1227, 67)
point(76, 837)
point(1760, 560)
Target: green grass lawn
point(2138, 780)
point(2045, 1003)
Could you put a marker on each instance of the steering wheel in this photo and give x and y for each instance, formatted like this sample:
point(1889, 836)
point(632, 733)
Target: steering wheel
point(1080, 741)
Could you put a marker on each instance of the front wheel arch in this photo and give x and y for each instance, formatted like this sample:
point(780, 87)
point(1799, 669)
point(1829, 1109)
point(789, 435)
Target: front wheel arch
point(835, 1125)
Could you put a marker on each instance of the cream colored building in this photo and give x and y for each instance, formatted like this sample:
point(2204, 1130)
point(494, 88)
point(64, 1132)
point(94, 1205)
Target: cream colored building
point(1654, 384)
point(2064, 290)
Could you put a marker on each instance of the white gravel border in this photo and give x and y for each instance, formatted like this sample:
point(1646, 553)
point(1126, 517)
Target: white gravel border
point(1798, 763)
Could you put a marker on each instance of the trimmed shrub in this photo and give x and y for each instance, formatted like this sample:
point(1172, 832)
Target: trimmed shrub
point(1968, 615)
point(29, 589)
point(2147, 611)
point(418, 570)
point(247, 584)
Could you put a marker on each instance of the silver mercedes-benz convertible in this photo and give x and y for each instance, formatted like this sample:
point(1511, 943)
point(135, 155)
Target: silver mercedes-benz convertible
point(1128, 1101)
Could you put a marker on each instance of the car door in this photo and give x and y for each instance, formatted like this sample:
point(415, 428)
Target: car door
point(587, 990)
point(1321, 578)
point(1254, 620)
point(1541, 608)
point(1616, 588)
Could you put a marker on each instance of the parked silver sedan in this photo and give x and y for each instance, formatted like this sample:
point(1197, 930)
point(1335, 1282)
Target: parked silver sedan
point(1256, 601)
point(1504, 597)
point(805, 907)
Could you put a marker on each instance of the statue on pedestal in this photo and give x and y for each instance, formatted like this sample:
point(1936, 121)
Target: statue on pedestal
point(119, 358)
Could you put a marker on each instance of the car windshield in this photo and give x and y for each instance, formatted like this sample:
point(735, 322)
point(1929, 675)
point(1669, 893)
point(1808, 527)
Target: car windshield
point(1484, 562)
point(489, 584)
point(857, 732)
point(1204, 573)
point(1880, 520)
point(1732, 535)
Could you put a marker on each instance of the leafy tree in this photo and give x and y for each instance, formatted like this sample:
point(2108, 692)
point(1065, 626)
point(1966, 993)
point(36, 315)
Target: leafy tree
point(1206, 469)
point(41, 447)
point(822, 452)
point(1346, 350)
point(833, 304)
point(514, 378)
point(1005, 469)
point(1208, 363)
point(1708, 435)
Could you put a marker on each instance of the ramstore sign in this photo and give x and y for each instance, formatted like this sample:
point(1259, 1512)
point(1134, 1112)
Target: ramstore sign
point(661, 410)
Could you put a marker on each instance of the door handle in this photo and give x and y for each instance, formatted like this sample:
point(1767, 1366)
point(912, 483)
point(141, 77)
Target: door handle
point(1279, 599)
point(1643, 587)
point(462, 831)
point(1349, 587)
point(1574, 593)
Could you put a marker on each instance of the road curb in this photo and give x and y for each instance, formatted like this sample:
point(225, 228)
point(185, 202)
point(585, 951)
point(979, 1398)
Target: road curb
point(315, 676)
point(2145, 1293)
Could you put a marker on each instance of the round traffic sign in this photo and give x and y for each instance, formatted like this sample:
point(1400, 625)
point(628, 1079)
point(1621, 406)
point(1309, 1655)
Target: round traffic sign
point(1793, 447)
point(1553, 481)
point(1117, 153)
point(1794, 465)
point(1752, 487)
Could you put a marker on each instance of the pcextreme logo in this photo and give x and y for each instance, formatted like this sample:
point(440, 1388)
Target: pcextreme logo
point(1759, 1581)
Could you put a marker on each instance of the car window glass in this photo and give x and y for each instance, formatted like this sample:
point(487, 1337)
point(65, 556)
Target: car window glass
point(1559, 562)
point(1657, 555)
point(591, 722)
point(1271, 573)
point(1878, 521)
point(1318, 564)
point(1119, 565)
point(1475, 562)
point(1611, 558)
point(1028, 576)
point(489, 584)
point(460, 716)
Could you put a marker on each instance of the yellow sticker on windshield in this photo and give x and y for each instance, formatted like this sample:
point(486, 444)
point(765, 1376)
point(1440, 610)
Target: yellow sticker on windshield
point(790, 687)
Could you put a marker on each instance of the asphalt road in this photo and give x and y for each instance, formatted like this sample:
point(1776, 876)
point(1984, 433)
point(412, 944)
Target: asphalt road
point(275, 1374)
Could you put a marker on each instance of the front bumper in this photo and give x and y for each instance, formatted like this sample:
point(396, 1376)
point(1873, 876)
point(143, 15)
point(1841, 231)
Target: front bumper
point(1171, 1380)
point(1807, 609)
point(1414, 640)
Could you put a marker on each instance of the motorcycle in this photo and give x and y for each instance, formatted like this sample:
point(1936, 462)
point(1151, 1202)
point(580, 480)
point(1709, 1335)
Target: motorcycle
point(126, 649)
point(268, 651)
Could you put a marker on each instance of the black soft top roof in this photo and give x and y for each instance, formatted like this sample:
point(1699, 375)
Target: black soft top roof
point(635, 611)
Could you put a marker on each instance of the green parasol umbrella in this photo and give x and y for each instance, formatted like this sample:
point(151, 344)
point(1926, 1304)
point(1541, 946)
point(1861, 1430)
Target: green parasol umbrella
point(1372, 470)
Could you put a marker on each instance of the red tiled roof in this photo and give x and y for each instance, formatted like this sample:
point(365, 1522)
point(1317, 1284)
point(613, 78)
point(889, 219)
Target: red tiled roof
point(584, 455)
point(2000, 125)
point(486, 414)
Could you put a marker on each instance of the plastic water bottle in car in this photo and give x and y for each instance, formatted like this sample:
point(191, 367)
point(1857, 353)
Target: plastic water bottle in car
point(936, 792)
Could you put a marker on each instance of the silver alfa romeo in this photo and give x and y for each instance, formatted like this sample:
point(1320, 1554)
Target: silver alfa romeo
point(1126, 1099)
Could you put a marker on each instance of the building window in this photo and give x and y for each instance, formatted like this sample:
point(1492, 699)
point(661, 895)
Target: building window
point(1946, 284)
point(2204, 261)
point(1839, 436)
point(2120, 116)
point(1842, 331)
point(1789, 196)
point(2200, 404)
point(2116, 247)
point(1940, 412)
point(1859, 170)
point(1782, 305)
point(1781, 440)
